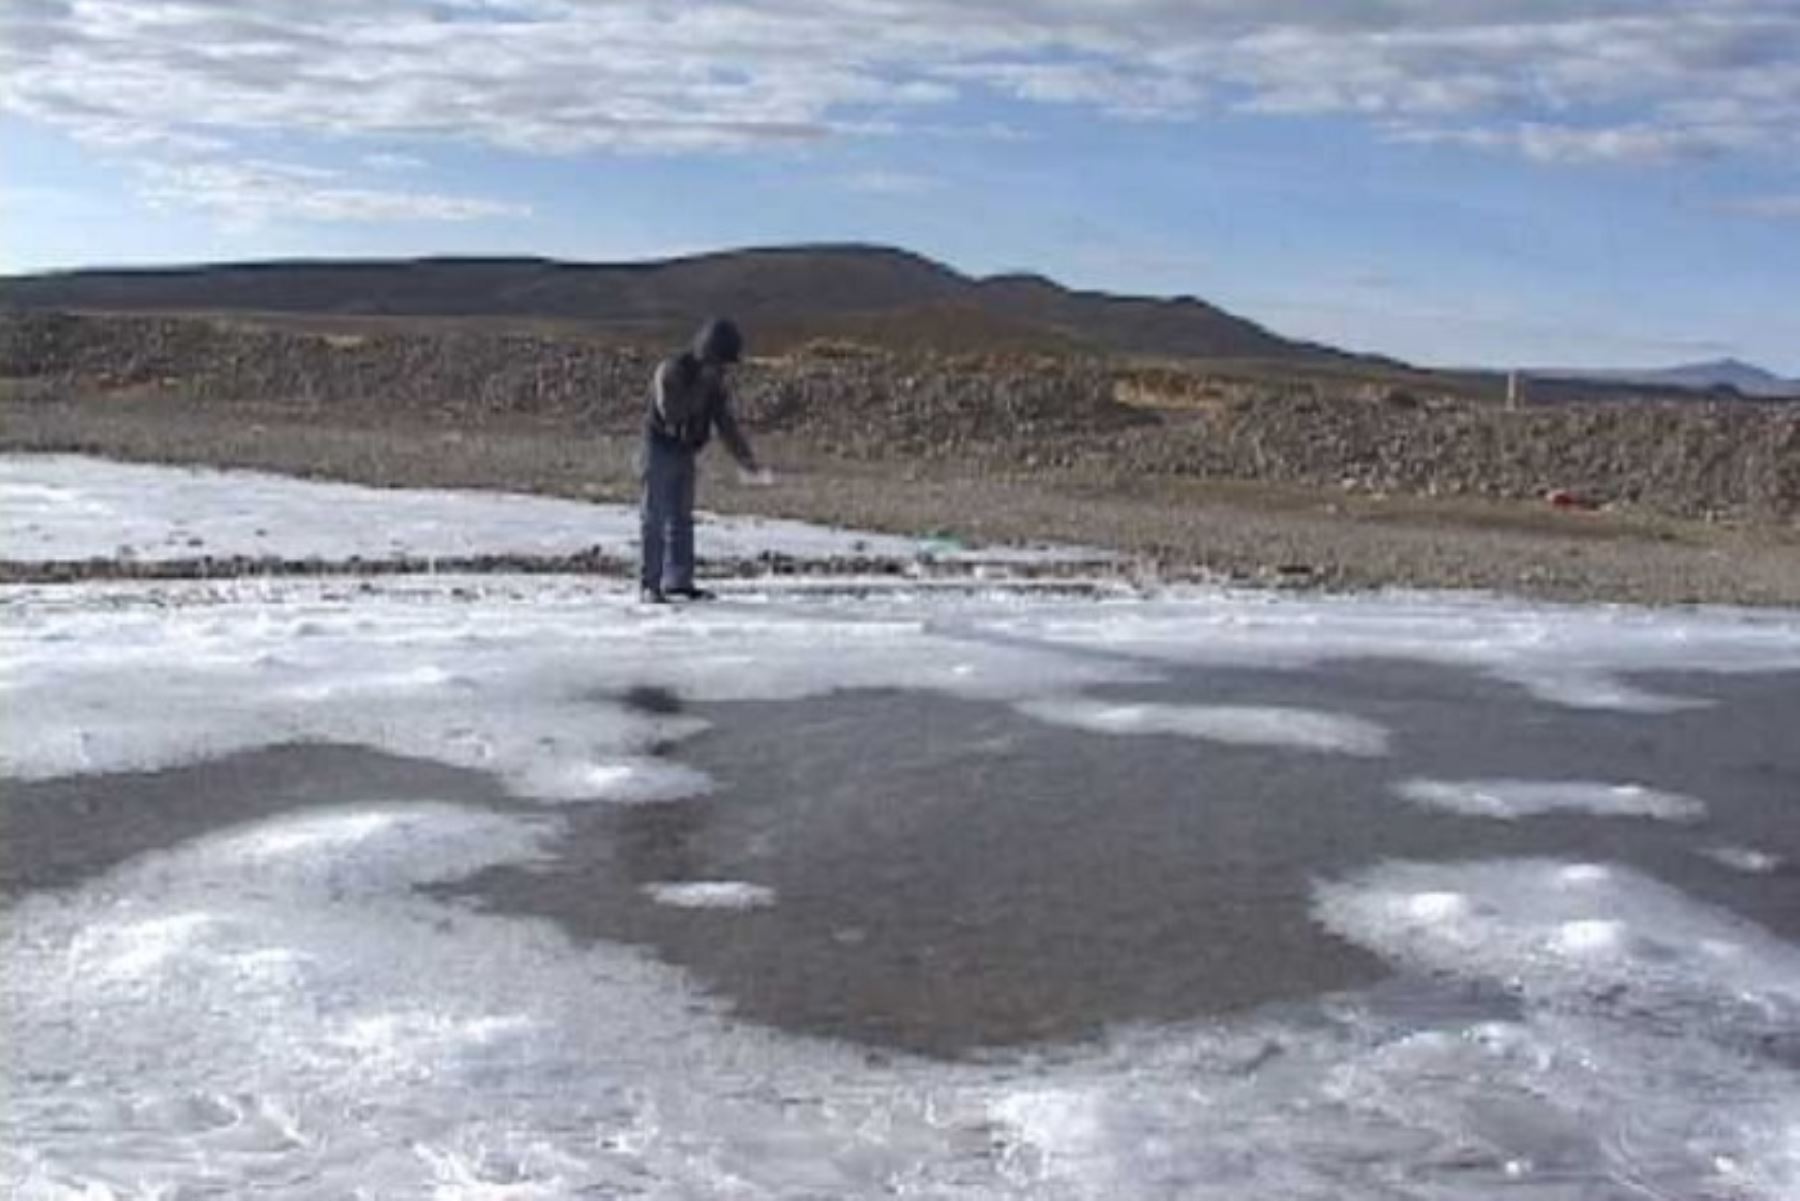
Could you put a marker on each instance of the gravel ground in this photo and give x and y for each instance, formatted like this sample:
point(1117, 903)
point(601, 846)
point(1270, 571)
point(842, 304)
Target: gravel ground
point(1283, 536)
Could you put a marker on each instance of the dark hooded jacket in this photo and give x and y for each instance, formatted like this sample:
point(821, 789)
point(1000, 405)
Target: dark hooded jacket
point(687, 401)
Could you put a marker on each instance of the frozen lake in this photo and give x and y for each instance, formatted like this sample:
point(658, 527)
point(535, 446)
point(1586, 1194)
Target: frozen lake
point(504, 887)
point(74, 507)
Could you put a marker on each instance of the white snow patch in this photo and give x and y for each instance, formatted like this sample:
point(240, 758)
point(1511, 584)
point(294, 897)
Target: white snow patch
point(1745, 859)
point(530, 687)
point(1570, 933)
point(622, 781)
point(1570, 656)
point(61, 507)
point(1056, 1134)
point(1590, 935)
point(1639, 1006)
point(352, 851)
point(1437, 906)
point(312, 834)
point(1512, 799)
point(711, 894)
point(1242, 725)
point(136, 947)
point(1580, 875)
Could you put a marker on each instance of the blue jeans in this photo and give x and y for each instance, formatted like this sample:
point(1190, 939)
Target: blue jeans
point(668, 516)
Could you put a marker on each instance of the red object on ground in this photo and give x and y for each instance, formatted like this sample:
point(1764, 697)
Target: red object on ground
point(1562, 498)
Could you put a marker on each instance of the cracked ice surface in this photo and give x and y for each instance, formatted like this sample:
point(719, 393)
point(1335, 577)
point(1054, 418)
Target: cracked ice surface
point(522, 678)
point(1571, 656)
point(275, 1007)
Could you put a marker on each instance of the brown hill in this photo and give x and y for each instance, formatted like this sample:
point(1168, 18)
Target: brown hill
point(787, 294)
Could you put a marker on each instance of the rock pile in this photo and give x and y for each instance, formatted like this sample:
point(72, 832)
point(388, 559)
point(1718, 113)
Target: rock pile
point(1695, 459)
point(1030, 412)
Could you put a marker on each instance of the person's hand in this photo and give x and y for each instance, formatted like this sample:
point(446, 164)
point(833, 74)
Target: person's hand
point(761, 477)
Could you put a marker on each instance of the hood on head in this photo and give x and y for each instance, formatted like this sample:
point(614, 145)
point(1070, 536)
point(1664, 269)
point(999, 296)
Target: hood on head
point(719, 342)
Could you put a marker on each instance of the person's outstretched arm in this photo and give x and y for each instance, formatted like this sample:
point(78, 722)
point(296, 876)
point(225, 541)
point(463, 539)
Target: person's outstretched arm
point(733, 436)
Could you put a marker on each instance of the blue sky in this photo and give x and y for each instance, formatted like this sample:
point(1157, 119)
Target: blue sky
point(1561, 182)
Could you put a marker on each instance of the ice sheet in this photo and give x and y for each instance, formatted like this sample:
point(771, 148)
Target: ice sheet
point(1573, 656)
point(1744, 859)
point(1573, 935)
point(711, 894)
point(528, 678)
point(69, 507)
point(1302, 729)
point(1511, 799)
point(536, 691)
point(275, 1007)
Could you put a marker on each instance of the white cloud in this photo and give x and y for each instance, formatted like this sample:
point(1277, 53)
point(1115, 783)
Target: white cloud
point(1636, 143)
point(387, 160)
point(1120, 88)
point(248, 193)
point(1557, 80)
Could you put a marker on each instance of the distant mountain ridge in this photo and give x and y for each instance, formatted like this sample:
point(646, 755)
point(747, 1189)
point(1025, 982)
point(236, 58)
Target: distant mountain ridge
point(782, 293)
point(1746, 378)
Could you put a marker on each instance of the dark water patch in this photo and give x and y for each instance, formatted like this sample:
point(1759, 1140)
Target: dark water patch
point(948, 875)
point(1738, 752)
point(62, 832)
point(951, 875)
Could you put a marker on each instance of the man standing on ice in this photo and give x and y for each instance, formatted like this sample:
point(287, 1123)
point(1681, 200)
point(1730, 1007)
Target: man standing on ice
point(688, 399)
